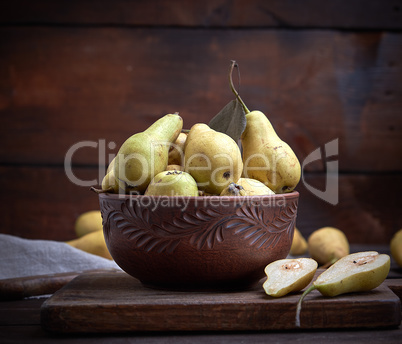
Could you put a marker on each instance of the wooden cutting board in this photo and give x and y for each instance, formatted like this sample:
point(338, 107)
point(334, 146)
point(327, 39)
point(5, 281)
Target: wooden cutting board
point(114, 302)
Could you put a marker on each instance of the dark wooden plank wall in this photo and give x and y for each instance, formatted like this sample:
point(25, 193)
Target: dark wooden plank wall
point(95, 72)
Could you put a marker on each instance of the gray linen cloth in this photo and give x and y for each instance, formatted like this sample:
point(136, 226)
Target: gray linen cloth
point(21, 257)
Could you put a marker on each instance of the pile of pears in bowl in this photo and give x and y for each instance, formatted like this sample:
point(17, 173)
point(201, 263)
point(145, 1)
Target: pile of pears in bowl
point(201, 209)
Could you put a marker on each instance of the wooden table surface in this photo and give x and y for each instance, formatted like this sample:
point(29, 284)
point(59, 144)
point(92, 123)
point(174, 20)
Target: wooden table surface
point(20, 322)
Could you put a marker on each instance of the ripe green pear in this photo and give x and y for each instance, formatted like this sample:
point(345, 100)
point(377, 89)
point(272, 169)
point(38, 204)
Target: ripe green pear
point(172, 183)
point(288, 275)
point(93, 242)
point(266, 157)
point(212, 158)
point(90, 221)
point(174, 167)
point(111, 165)
point(254, 187)
point(176, 150)
point(395, 246)
point(299, 244)
point(233, 189)
point(145, 154)
point(357, 272)
point(327, 244)
point(247, 187)
point(111, 184)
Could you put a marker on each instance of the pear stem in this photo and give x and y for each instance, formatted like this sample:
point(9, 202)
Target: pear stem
point(299, 304)
point(233, 64)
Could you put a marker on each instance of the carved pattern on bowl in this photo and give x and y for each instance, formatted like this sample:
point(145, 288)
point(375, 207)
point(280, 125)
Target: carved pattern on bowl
point(204, 229)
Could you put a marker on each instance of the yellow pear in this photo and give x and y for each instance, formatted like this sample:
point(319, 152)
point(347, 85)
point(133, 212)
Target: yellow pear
point(247, 187)
point(212, 158)
point(299, 244)
point(266, 157)
point(176, 151)
point(288, 275)
point(145, 154)
point(196, 129)
point(172, 183)
point(90, 221)
point(174, 167)
point(93, 243)
point(361, 271)
point(233, 189)
point(327, 244)
point(396, 247)
point(111, 184)
point(254, 187)
point(357, 272)
point(111, 166)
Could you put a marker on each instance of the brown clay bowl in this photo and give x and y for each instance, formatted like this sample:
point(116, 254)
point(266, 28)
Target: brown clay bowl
point(198, 243)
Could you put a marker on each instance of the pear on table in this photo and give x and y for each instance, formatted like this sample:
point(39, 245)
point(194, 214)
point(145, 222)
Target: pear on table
point(327, 244)
point(396, 247)
point(357, 272)
point(88, 222)
point(288, 275)
point(299, 244)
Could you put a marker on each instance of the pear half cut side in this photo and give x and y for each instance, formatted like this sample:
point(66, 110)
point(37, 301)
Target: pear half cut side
point(288, 275)
point(357, 272)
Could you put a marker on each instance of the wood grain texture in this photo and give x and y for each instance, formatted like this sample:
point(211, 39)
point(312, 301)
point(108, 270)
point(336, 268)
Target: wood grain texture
point(372, 14)
point(63, 86)
point(116, 302)
point(43, 203)
point(92, 73)
point(19, 288)
point(395, 285)
point(20, 323)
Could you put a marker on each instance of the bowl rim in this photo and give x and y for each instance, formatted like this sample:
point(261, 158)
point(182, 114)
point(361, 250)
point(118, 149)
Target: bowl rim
point(214, 201)
point(292, 194)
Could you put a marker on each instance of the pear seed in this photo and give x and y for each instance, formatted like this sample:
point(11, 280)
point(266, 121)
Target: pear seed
point(292, 265)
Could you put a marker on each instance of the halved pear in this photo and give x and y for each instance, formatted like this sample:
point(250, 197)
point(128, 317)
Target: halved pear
point(288, 275)
point(355, 272)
